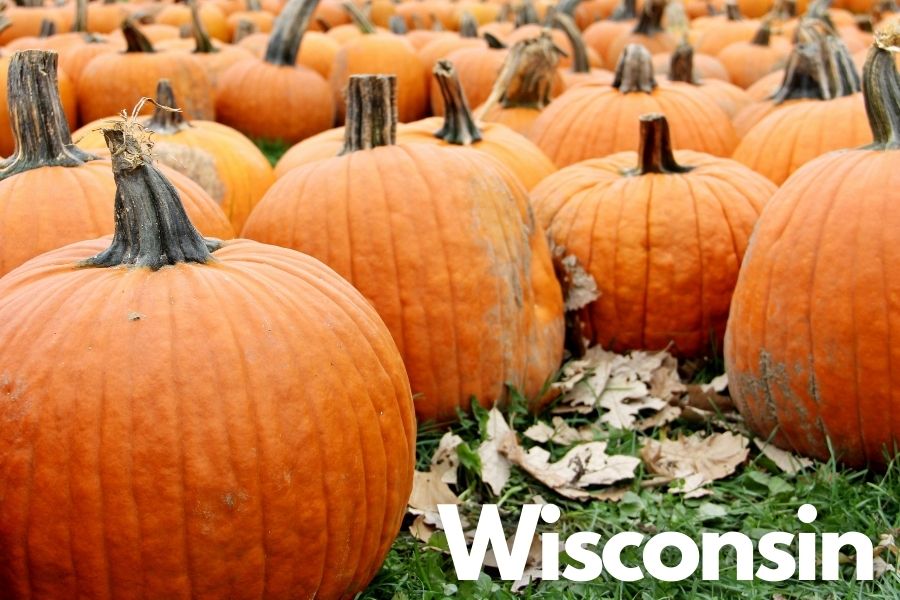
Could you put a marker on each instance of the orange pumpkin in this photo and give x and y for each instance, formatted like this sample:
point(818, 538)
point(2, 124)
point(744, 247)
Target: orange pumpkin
point(103, 17)
point(26, 20)
point(221, 376)
point(34, 215)
point(112, 81)
point(478, 68)
point(262, 21)
point(179, 15)
point(662, 234)
point(729, 97)
point(648, 32)
point(726, 30)
point(578, 124)
point(705, 66)
point(748, 62)
point(441, 241)
point(280, 91)
point(809, 346)
point(226, 164)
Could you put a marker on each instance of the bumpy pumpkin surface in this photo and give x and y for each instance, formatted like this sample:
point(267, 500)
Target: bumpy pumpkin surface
point(184, 418)
point(809, 348)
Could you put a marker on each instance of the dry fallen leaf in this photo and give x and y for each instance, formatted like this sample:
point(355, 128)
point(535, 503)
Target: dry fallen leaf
point(784, 460)
point(579, 287)
point(428, 491)
point(445, 461)
point(886, 554)
point(494, 465)
point(559, 432)
point(695, 459)
point(532, 563)
point(421, 530)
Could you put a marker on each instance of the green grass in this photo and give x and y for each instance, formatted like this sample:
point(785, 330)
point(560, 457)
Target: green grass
point(756, 500)
point(273, 149)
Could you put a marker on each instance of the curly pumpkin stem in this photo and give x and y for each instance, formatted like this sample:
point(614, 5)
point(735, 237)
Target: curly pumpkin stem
point(468, 26)
point(626, 10)
point(167, 117)
point(526, 78)
point(38, 123)
point(681, 64)
point(135, 40)
point(360, 19)
point(655, 154)
point(580, 62)
point(371, 112)
point(244, 28)
point(650, 21)
point(459, 125)
point(287, 32)
point(634, 72)
point(152, 229)
point(881, 90)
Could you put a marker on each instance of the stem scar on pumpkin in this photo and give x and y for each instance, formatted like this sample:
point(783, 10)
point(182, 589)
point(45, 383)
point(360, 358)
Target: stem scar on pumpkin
point(151, 227)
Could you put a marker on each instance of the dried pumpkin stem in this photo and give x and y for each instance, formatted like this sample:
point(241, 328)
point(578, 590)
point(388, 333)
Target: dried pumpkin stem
point(650, 21)
point(881, 90)
point(655, 154)
point(634, 72)
point(135, 40)
point(580, 62)
point(493, 41)
point(254, 6)
point(468, 26)
point(397, 24)
point(79, 24)
point(287, 33)
point(167, 118)
point(681, 64)
point(243, 29)
point(805, 76)
point(152, 229)
point(459, 124)
point(626, 10)
point(47, 29)
point(201, 37)
point(763, 35)
point(371, 112)
point(360, 19)
point(39, 125)
point(527, 76)
point(733, 11)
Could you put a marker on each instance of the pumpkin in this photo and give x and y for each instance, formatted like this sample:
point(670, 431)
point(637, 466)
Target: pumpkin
point(459, 128)
point(579, 124)
point(808, 348)
point(729, 97)
point(728, 29)
point(112, 81)
point(663, 235)
point(748, 62)
point(600, 35)
point(104, 17)
point(261, 20)
point(478, 68)
point(441, 46)
point(34, 215)
point(281, 90)
point(704, 66)
point(179, 15)
point(441, 241)
point(648, 32)
point(226, 164)
point(375, 52)
point(26, 20)
point(219, 381)
point(525, 85)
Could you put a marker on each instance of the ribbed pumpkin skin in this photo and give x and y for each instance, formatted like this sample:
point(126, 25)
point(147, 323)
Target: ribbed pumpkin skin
point(236, 430)
point(664, 249)
point(226, 164)
point(593, 120)
point(36, 217)
point(792, 136)
point(441, 241)
point(811, 340)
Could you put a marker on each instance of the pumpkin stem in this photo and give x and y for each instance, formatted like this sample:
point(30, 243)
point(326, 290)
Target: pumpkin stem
point(819, 67)
point(763, 35)
point(39, 125)
point(733, 11)
point(5, 23)
point(79, 24)
point(151, 227)
point(48, 28)
point(202, 40)
point(580, 62)
point(650, 21)
point(526, 78)
point(436, 24)
point(567, 7)
point(243, 29)
point(468, 26)
point(371, 112)
point(655, 154)
point(626, 10)
point(359, 18)
point(253, 6)
point(397, 25)
point(681, 64)
point(634, 73)
point(493, 41)
point(167, 117)
point(288, 31)
point(881, 90)
point(135, 40)
point(526, 14)
point(459, 125)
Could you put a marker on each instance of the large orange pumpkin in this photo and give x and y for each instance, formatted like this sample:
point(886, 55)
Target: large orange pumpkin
point(663, 235)
point(233, 419)
point(114, 80)
point(275, 98)
point(442, 241)
point(51, 192)
point(809, 348)
point(226, 164)
point(594, 120)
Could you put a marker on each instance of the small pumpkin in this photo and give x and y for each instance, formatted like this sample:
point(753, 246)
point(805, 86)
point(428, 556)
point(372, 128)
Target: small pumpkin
point(264, 98)
point(600, 35)
point(748, 62)
point(26, 18)
point(729, 97)
point(222, 377)
point(441, 240)
point(808, 349)
point(179, 15)
point(262, 20)
point(728, 29)
point(578, 124)
point(648, 32)
point(663, 235)
point(113, 80)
